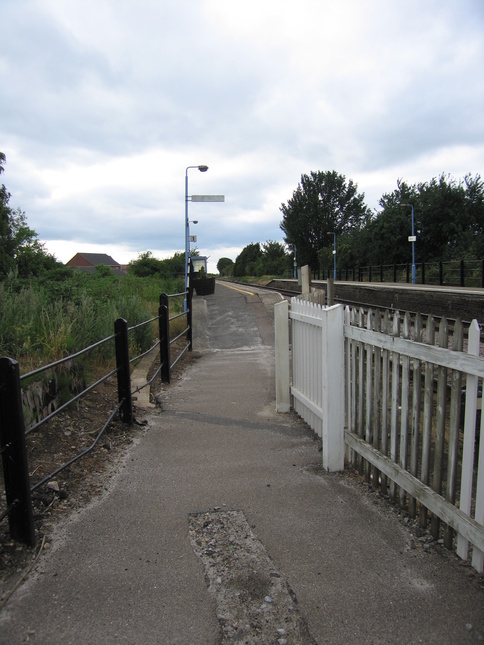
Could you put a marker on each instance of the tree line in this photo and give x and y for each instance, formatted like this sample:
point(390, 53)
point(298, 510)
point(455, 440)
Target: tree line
point(326, 210)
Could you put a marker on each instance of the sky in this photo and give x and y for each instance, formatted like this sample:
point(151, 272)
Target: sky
point(105, 103)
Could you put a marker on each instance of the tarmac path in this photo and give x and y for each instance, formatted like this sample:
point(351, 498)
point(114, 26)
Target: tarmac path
point(126, 569)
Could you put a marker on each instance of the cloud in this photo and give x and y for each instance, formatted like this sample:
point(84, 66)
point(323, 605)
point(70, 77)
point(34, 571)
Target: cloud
point(104, 104)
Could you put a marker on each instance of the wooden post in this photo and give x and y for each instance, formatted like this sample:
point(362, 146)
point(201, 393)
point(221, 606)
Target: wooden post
point(123, 370)
point(306, 279)
point(333, 400)
point(281, 330)
point(330, 292)
point(14, 454)
point(164, 324)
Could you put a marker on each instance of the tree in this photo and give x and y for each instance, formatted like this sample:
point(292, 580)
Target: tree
point(448, 222)
point(245, 262)
point(225, 266)
point(323, 203)
point(20, 248)
point(275, 260)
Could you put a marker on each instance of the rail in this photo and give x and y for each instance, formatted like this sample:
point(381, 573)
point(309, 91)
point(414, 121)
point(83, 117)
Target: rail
point(459, 273)
point(13, 431)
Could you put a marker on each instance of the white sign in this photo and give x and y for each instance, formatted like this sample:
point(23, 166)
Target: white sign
point(412, 238)
point(208, 198)
point(193, 238)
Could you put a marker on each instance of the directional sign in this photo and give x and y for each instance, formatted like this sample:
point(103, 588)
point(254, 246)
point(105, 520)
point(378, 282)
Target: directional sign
point(208, 198)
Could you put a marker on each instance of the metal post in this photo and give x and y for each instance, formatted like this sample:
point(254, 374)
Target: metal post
point(189, 309)
point(14, 454)
point(414, 273)
point(123, 370)
point(164, 326)
point(334, 257)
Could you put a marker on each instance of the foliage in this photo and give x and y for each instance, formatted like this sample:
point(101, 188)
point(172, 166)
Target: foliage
point(324, 203)
point(448, 222)
point(146, 265)
point(42, 320)
point(20, 249)
point(225, 266)
point(270, 258)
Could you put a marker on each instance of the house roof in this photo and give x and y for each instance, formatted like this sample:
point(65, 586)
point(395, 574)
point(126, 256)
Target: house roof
point(94, 259)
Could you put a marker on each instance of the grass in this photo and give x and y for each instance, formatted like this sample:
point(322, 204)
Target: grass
point(43, 321)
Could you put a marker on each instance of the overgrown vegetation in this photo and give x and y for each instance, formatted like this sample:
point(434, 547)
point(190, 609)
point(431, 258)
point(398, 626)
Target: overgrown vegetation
point(42, 320)
point(48, 311)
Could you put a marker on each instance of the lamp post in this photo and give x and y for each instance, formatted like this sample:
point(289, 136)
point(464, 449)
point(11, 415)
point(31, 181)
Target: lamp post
point(412, 239)
point(201, 168)
point(334, 255)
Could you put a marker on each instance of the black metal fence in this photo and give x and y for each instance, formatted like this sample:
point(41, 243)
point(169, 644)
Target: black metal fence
point(13, 434)
point(458, 273)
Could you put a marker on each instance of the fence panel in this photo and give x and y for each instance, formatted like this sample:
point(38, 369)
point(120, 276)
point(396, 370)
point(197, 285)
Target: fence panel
point(431, 463)
point(410, 426)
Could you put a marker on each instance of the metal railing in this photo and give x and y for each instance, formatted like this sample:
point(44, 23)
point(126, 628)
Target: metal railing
point(13, 433)
point(460, 273)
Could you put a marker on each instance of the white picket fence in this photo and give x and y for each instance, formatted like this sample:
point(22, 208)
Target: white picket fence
point(394, 397)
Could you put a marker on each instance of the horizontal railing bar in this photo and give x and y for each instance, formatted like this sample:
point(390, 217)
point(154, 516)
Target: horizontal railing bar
point(136, 358)
point(66, 358)
point(179, 356)
point(183, 313)
point(141, 324)
point(173, 340)
point(142, 387)
point(65, 405)
point(9, 508)
point(81, 454)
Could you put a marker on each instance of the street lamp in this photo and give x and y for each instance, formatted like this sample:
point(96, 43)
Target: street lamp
point(412, 238)
point(334, 256)
point(201, 168)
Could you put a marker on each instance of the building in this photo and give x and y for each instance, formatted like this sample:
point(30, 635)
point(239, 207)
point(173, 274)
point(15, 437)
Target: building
point(89, 262)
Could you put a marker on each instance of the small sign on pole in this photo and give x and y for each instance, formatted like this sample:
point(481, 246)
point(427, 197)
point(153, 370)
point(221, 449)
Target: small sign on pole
point(208, 198)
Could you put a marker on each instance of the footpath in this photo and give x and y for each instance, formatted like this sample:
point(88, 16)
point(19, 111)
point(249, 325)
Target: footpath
point(220, 526)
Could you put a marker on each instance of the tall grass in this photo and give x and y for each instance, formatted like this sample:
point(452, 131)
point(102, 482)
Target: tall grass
point(44, 320)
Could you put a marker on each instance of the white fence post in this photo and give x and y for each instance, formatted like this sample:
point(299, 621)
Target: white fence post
point(333, 399)
point(306, 279)
point(281, 330)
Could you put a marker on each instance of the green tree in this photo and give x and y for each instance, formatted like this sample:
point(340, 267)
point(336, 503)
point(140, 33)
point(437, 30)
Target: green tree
point(323, 203)
point(20, 249)
point(225, 266)
point(275, 259)
point(246, 261)
point(448, 222)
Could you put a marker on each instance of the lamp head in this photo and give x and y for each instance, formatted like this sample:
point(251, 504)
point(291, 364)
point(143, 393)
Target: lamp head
point(203, 168)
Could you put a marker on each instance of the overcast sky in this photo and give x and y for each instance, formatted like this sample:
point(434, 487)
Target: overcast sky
point(104, 103)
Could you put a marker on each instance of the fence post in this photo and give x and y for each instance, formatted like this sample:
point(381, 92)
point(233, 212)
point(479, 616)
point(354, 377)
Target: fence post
point(164, 327)
point(462, 274)
point(333, 395)
point(330, 294)
point(14, 454)
point(189, 309)
point(281, 333)
point(123, 369)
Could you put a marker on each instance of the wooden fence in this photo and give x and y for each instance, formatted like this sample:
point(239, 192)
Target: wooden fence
point(406, 395)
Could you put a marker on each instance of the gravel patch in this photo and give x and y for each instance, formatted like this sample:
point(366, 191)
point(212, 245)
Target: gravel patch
point(255, 604)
